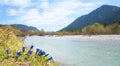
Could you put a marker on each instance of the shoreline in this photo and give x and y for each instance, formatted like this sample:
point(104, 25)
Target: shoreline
point(85, 37)
point(90, 37)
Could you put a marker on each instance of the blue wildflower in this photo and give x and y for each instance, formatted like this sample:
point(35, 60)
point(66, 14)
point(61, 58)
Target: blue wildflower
point(30, 51)
point(39, 53)
point(31, 47)
point(23, 48)
point(37, 50)
point(43, 53)
point(7, 51)
point(50, 58)
point(18, 54)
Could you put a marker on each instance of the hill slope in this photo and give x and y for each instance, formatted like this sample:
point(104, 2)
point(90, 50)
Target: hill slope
point(24, 27)
point(105, 15)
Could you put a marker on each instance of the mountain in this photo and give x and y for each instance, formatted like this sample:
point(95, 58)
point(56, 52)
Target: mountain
point(24, 27)
point(105, 15)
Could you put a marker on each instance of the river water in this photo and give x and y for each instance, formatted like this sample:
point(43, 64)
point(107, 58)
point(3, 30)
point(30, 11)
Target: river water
point(78, 52)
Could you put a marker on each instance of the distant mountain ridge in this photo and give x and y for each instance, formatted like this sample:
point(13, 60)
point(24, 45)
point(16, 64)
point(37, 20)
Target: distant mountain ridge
point(24, 27)
point(105, 14)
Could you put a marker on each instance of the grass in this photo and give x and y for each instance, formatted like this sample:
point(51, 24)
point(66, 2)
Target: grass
point(9, 41)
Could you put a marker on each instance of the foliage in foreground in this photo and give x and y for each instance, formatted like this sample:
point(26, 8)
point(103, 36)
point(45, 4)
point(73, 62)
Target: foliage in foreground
point(9, 41)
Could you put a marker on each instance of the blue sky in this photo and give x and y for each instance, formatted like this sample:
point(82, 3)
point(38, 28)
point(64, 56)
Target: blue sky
point(50, 15)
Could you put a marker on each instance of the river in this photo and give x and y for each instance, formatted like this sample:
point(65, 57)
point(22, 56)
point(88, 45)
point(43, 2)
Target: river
point(78, 51)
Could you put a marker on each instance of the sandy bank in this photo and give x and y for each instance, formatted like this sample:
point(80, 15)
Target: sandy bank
point(92, 37)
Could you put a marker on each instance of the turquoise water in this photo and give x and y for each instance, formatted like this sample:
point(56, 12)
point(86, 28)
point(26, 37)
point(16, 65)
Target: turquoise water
point(79, 52)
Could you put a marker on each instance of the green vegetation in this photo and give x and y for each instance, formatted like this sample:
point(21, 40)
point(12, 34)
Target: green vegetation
point(97, 29)
point(39, 33)
point(8, 40)
point(13, 29)
point(94, 29)
point(19, 32)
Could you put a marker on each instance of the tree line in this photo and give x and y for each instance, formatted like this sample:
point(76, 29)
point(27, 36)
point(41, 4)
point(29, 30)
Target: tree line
point(94, 29)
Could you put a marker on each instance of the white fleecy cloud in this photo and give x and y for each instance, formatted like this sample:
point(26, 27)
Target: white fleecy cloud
point(53, 13)
point(16, 12)
point(17, 3)
point(58, 13)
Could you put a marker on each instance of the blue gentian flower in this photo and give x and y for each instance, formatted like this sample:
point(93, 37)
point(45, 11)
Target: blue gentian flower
point(37, 50)
point(31, 47)
point(7, 51)
point(30, 51)
point(43, 53)
point(23, 48)
point(39, 53)
point(50, 58)
point(18, 54)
